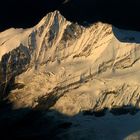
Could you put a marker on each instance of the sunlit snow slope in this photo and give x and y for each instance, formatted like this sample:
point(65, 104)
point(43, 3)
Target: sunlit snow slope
point(62, 65)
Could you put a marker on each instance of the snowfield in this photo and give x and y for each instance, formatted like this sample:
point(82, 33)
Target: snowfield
point(68, 68)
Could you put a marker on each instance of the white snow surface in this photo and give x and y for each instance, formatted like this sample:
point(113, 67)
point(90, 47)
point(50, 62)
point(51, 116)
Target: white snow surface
point(85, 68)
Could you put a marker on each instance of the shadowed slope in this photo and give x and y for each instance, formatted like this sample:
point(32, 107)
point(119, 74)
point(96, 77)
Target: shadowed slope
point(27, 123)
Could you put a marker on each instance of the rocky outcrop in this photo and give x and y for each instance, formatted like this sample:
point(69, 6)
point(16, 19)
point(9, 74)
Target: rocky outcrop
point(13, 64)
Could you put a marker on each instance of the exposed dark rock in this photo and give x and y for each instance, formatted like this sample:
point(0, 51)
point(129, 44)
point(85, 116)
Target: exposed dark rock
point(13, 64)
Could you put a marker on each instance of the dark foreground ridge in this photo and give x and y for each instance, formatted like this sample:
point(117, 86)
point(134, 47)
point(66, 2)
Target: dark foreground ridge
point(27, 123)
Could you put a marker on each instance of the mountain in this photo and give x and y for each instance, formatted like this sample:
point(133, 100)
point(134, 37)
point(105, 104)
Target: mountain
point(62, 66)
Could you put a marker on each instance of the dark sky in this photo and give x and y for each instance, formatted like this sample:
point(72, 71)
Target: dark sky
point(26, 13)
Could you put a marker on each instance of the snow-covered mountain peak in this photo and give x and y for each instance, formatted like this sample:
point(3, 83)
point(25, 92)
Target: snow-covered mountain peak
point(57, 56)
point(74, 74)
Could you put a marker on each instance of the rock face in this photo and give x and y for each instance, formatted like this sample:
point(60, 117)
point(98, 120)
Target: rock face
point(70, 68)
